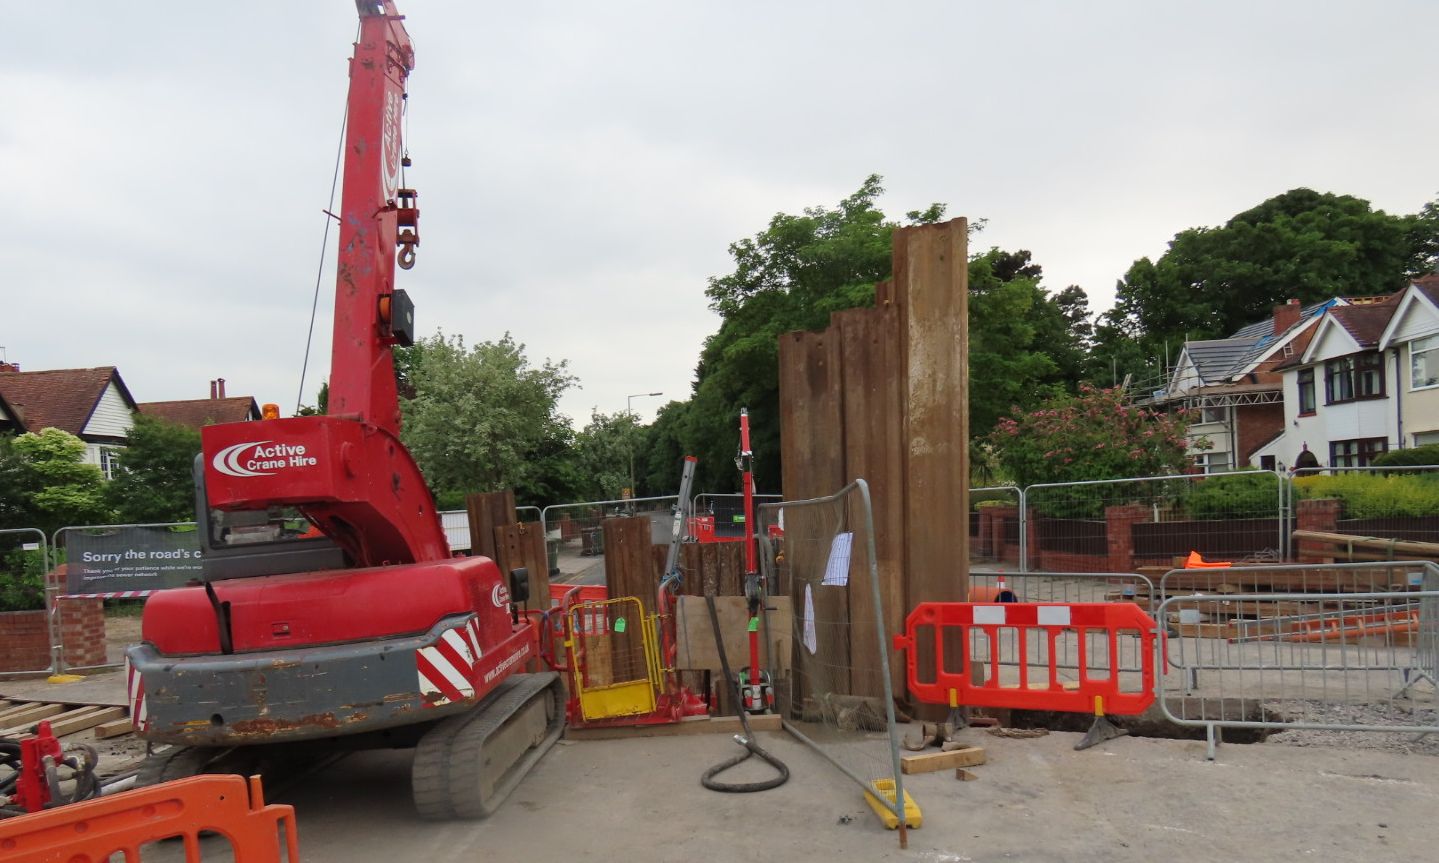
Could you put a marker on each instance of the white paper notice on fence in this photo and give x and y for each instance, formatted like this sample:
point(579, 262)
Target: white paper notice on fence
point(811, 639)
point(836, 572)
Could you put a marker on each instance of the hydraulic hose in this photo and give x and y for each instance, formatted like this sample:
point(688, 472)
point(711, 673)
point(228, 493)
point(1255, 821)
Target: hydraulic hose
point(751, 748)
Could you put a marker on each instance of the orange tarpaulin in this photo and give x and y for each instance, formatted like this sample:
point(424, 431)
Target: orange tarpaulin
point(1194, 561)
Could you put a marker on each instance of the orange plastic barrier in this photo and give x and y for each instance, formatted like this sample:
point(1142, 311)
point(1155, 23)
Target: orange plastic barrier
point(92, 831)
point(970, 621)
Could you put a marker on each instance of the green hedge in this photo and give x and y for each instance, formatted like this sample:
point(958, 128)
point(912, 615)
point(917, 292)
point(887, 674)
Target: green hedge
point(1367, 495)
point(1239, 496)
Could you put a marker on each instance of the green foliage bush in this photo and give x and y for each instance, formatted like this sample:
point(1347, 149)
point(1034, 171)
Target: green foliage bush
point(22, 580)
point(1249, 495)
point(1373, 496)
point(1419, 455)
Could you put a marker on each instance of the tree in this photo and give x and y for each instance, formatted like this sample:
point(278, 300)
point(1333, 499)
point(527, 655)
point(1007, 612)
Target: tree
point(1302, 244)
point(155, 479)
point(603, 452)
point(59, 487)
point(482, 418)
point(1094, 435)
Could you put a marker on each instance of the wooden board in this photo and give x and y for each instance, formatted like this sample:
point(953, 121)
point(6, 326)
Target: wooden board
point(29, 713)
point(929, 762)
point(85, 718)
point(117, 728)
point(694, 635)
point(713, 725)
point(629, 571)
point(488, 511)
point(523, 545)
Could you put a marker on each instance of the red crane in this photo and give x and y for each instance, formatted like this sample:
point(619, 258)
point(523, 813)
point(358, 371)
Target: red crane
point(371, 635)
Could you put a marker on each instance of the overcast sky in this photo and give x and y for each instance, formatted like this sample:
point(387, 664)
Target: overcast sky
point(583, 167)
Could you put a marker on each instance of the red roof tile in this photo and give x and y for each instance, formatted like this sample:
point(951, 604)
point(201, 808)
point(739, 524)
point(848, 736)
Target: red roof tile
point(59, 398)
point(197, 413)
point(1365, 323)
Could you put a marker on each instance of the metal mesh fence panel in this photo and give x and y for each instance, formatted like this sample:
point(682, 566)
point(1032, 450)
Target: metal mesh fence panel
point(29, 634)
point(1346, 647)
point(576, 531)
point(726, 511)
point(838, 697)
point(1392, 503)
point(1066, 587)
point(994, 515)
point(1120, 525)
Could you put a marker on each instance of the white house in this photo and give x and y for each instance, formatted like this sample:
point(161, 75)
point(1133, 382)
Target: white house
point(1412, 337)
point(92, 404)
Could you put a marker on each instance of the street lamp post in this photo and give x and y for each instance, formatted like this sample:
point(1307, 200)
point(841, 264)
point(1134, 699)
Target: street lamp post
point(631, 447)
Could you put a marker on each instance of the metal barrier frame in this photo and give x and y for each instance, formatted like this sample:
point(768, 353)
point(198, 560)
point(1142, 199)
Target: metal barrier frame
point(545, 512)
point(1187, 477)
point(895, 807)
point(1427, 598)
point(50, 594)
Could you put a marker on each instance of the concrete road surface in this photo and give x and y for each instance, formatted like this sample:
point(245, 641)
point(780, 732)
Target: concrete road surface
point(1134, 799)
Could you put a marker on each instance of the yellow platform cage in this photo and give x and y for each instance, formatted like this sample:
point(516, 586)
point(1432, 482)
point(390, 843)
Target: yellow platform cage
point(614, 657)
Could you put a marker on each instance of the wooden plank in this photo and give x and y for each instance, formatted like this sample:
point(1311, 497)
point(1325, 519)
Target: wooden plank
point(18, 707)
point(713, 725)
point(929, 762)
point(695, 641)
point(83, 719)
point(117, 728)
point(629, 572)
point(29, 714)
point(1393, 546)
point(870, 346)
point(14, 728)
point(488, 511)
point(523, 545)
point(931, 276)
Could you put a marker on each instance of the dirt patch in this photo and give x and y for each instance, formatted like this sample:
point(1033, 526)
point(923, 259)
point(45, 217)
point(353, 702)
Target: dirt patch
point(1388, 713)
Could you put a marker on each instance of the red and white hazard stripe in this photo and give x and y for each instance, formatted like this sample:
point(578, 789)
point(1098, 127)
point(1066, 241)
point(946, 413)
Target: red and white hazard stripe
point(122, 594)
point(136, 689)
point(447, 667)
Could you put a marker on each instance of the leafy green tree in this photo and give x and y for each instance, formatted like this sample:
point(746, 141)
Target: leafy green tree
point(155, 480)
point(60, 488)
point(1094, 435)
point(604, 451)
point(482, 418)
point(661, 455)
point(1301, 244)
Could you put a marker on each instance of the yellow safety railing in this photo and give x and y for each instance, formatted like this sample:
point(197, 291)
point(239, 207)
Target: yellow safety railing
point(609, 679)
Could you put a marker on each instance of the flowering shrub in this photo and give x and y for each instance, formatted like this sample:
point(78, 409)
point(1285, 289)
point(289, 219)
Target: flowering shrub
point(1093, 435)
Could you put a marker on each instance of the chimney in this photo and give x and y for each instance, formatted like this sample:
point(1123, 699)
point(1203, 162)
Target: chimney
point(212, 390)
point(220, 382)
point(1286, 316)
point(9, 367)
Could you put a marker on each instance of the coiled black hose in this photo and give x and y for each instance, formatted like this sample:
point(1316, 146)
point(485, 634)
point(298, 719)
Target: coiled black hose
point(751, 748)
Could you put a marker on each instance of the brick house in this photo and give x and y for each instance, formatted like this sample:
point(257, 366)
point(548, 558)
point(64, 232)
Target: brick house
point(198, 413)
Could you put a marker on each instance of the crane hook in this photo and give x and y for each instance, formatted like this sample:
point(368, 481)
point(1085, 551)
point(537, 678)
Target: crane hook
point(407, 256)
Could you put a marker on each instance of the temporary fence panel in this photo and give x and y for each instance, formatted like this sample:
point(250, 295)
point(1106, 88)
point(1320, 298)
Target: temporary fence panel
point(1393, 503)
point(32, 634)
point(128, 561)
point(727, 511)
point(214, 817)
point(838, 697)
point(994, 514)
point(1028, 674)
point(1131, 653)
point(1123, 524)
point(575, 531)
point(1353, 653)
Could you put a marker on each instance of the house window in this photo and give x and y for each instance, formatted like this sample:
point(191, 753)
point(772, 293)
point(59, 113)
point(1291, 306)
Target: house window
point(1212, 462)
point(109, 461)
point(1213, 415)
point(1266, 462)
point(1356, 453)
point(1424, 363)
point(1359, 376)
point(1306, 390)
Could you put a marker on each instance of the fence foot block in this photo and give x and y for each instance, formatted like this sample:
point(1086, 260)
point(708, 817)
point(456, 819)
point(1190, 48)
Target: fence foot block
point(1100, 731)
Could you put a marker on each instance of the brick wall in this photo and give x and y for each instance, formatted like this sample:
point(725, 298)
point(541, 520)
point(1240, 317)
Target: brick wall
point(1258, 425)
point(25, 636)
point(26, 640)
point(1119, 526)
point(1321, 514)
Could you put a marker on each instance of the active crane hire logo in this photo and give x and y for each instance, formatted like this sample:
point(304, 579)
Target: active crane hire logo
point(261, 458)
point(390, 149)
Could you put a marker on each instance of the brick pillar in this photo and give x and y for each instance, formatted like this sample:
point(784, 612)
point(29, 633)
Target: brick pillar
point(1036, 556)
point(1119, 533)
point(82, 624)
point(1320, 514)
point(999, 516)
point(984, 540)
